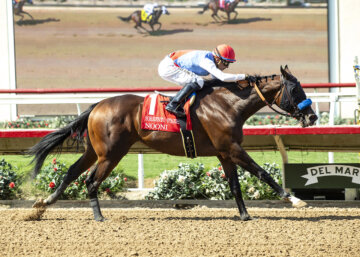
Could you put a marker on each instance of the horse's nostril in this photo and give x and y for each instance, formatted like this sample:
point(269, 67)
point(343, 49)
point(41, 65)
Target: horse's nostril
point(313, 118)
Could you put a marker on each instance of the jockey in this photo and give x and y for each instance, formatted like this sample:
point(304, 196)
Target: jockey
point(149, 9)
point(186, 68)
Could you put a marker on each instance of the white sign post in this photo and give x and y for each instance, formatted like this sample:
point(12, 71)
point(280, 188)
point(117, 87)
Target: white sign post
point(7, 57)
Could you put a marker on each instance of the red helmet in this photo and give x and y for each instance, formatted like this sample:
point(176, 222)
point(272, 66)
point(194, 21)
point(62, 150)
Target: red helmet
point(225, 52)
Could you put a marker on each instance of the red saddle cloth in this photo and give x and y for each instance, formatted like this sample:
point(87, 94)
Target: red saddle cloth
point(155, 117)
point(222, 4)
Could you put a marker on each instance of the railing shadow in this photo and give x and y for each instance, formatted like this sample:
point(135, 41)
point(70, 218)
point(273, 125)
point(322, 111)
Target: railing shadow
point(36, 21)
point(273, 218)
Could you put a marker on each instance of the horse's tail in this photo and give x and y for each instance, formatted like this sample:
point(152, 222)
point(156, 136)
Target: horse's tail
point(204, 9)
point(53, 142)
point(125, 18)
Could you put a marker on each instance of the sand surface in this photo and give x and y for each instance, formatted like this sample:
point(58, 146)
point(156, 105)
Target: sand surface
point(194, 232)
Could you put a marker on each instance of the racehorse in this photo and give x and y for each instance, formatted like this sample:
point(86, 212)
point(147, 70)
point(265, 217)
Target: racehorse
point(136, 17)
point(215, 7)
point(18, 8)
point(219, 112)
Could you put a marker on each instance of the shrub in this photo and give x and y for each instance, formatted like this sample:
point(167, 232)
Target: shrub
point(52, 175)
point(276, 119)
point(192, 182)
point(31, 123)
point(9, 181)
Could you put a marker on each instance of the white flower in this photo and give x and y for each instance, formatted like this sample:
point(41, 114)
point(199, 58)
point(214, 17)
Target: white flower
point(257, 195)
point(251, 190)
point(181, 179)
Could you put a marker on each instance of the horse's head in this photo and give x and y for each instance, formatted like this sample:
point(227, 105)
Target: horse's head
point(292, 99)
point(164, 10)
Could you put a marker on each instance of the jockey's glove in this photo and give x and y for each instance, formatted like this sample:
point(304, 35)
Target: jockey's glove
point(250, 78)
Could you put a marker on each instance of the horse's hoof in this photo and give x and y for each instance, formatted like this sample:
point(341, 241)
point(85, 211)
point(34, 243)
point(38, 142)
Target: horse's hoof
point(299, 204)
point(245, 217)
point(100, 219)
point(39, 204)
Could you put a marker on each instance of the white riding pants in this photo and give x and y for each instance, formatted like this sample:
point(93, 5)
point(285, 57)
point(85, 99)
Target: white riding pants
point(172, 73)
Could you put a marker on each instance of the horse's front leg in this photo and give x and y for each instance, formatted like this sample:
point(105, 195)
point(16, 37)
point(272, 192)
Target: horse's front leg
point(236, 14)
point(240, 157)
point(28, 15)
point(232, 177)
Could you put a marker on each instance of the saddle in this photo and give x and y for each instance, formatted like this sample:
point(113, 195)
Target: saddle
point(155, 117)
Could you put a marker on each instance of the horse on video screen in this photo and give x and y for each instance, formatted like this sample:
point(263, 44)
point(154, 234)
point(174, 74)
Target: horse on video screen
point(18, 8)
point(214, 6)
point(153, 22)
point(219, 112)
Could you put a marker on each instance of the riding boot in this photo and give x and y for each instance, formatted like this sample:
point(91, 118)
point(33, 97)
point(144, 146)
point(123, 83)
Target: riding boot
point(175, 102)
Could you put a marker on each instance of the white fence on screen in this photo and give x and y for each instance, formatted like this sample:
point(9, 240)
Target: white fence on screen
point(89, 96)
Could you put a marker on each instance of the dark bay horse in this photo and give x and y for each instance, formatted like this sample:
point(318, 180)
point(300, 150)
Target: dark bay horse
point(220, 110)
point(18, 9)
point(214, 6)
point(136, 17)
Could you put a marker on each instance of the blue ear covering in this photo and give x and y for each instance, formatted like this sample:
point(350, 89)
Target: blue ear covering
point(304, 104)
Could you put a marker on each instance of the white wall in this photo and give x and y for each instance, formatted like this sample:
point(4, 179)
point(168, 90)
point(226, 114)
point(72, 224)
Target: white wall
point(349, 47)
point(7, 56)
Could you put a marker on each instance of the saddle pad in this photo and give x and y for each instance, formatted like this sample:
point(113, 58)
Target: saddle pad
point(222, 4)
point(155, 117)
point(144, 16)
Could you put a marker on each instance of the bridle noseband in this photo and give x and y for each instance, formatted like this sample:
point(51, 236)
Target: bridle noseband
point(279, 97)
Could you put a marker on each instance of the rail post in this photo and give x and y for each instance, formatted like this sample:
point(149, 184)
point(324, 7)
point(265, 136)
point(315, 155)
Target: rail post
point(140, 171)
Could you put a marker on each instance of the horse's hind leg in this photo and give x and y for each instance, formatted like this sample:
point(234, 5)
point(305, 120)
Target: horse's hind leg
point(75, 170)
point(214, 15)
point(96, 177)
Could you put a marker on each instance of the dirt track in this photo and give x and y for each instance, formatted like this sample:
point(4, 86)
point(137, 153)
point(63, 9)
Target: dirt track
point(195, 232)
point(92, 47)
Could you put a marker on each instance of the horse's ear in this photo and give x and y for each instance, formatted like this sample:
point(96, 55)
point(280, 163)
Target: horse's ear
point(287, 69)
point(283, 72)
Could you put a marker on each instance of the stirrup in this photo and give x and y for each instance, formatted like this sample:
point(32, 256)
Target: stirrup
point(176, 112)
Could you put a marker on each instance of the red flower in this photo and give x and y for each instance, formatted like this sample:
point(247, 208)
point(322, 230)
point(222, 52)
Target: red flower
point(223, 175)
point(52, 184)
point(220, 168)
point(54, 161)
point(12, 185)
point(76, 183)
point(208, 174)
point(260, 123)
point(27, 124)
point(125, 179)
point(55, 169)
point(107, 190)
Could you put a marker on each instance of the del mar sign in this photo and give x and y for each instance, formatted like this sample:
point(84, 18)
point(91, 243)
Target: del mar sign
point(322, 175)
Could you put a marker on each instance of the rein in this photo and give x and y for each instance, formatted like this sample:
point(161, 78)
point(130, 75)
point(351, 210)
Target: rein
point(278, 96)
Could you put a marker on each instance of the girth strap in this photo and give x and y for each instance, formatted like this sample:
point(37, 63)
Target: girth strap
point(187, 139)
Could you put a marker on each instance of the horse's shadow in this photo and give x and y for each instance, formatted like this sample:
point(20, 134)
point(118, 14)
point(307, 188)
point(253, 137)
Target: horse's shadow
point(246, 21)
point(35, 21)
point(164, 32)
point(237, 21)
